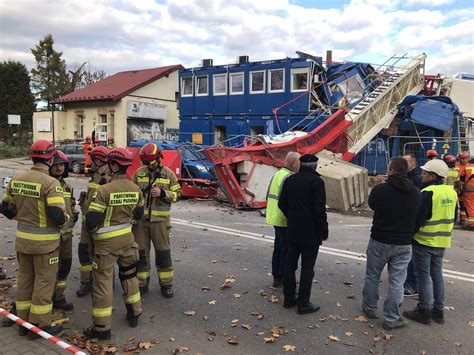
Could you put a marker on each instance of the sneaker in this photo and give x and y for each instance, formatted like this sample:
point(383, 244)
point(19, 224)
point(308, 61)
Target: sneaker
point(167, 292)
point(53, 330)
point(307, 308)
point(63, 304)
point(91, 333)
point(409, 291)
point(437, 316)
point(370, 314)
point(84, 289)
point(422, 316)
point(289, 302)
point(401, 323)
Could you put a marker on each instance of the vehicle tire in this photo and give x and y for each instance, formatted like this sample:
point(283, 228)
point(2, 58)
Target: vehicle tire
point(76, 167)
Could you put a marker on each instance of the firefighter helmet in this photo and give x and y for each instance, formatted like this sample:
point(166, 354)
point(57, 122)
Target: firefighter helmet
point(110, 139)
point(88, 139)
point(99, 153)
point(449, 158)
point(431, 154)
point(464, 155)
point(150, 153)
point(60, 158)
point(120, 156)
point(42, 149)
point(436, 166)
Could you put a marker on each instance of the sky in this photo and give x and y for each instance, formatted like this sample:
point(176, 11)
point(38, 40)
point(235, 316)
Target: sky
point(117, 35)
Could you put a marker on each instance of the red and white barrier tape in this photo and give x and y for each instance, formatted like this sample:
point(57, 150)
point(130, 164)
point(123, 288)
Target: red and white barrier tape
point(41, 333)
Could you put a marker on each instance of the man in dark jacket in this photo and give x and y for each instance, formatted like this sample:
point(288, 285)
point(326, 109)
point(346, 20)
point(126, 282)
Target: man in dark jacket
point(303, 202)
point(395, 204)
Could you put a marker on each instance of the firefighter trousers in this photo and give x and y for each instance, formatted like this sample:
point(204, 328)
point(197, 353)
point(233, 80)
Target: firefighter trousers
point(85, 254)
point(102, 285)
point(159, 233)
point(35, 287)
point(65, 262)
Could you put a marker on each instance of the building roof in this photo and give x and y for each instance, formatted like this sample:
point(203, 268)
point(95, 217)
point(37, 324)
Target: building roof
point(116, 86)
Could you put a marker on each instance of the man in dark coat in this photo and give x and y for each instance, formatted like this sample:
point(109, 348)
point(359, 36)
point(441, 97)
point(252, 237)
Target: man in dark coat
point(303, 202)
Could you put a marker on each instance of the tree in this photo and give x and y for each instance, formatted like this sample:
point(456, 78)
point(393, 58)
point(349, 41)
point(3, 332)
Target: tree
point(49, 78)
point(15, 94)
point(80, 76)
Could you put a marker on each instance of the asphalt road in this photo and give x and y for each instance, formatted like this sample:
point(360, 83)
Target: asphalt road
point(212, 242)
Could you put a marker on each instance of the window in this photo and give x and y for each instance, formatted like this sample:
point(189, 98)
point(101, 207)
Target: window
point(79, 126)
point(277, 80)
point(352, 88)
point(257, 82)
point(201, 85)
point(237, 83)
point(103, 119)
point(79, 149)
point(187, 86)
point(220, 84)
point(299, 79)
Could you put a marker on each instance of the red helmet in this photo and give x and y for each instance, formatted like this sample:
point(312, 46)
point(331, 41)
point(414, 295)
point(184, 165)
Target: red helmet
point(150, 153)
point(110, 139)
point(42, 149)
point(100, 153)
point(120, 156)
point(431, 153)
point(88, 139)
point(60, 158)
point(449, 158)
point(464, 155)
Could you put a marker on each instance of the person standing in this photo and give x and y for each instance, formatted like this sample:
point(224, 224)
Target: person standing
point(59, 170)
point(111, 143)
point(303, 202)
point(101, 176)
point(88, 146)
point(108, 218)
point(467, 181)
point(160, 188)
point(36, 201)
point(395, 204)
point(276, 218)
point(460, 167)
point(434, 224)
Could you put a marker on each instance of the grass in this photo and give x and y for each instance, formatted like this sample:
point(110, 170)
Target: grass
point(8, 151)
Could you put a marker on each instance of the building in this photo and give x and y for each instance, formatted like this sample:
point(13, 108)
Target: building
point(130, 105)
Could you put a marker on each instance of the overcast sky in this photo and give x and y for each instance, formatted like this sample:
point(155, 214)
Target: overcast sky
point(136, 34)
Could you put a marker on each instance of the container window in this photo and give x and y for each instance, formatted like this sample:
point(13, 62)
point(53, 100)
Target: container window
point(299, 79)
point(237, 83)
point(201, 85)
point(277, 80)
point(220, 84)
point(257, 82)
point(187, 86)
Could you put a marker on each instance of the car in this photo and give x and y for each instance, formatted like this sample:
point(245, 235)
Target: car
point(76, 156)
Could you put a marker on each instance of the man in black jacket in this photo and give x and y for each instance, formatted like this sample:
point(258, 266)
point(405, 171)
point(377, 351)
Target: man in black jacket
point(303, 202)
point(395, 204)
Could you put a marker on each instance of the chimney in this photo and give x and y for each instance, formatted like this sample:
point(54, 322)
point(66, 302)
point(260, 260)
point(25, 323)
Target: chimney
point(328, 57)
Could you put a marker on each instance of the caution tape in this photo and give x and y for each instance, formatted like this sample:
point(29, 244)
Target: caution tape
point(42, 333)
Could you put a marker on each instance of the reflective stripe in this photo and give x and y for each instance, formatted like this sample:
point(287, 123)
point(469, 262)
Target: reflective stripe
point(37, 230)
point(37, 237)
point(160, 213)
point(112, 228)
point(108, 216)
point(85, 267)
point(93, 185)
point(274, 215)
point(41, 214)
point(53, 200)
point(275, 197)
point(143, 274)
point(162, 181)
point(439, 221)
point(61, 284)
point(174, 196)
point(97, 207)
point(142, 180)
point(434, 234)
point(22, 305)
point(175, 187)
point(132, 299)
point(41, 309)
point(67, 194)
point(165, 274)
point(113, 234)
point(102, 312)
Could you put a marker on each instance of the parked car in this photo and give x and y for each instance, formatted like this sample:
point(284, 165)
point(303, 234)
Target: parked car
point(76, 156)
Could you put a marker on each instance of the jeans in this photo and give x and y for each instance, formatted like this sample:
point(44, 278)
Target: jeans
point(411, 276)
point(280, 251)
point(396, 257)
point(429, 269)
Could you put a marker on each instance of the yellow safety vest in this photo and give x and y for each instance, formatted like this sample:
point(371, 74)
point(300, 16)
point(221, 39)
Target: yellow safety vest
point(453, 176)
point(274, 216)
point(436, 232)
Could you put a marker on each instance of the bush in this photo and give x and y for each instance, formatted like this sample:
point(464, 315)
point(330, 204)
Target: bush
point(8, 151)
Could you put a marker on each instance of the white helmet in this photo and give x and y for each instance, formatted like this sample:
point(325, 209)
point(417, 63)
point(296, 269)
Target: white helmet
point(436, 166)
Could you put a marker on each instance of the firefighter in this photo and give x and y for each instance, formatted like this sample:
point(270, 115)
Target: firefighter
point(431, 154)
point(59, 170)
point(453, 174)
point(88, 146)
point(160, 188)
point(100, 177)
point(461, 166)
point(111, 143)
point(467, 180)
point(108, 218)
point(36, 201)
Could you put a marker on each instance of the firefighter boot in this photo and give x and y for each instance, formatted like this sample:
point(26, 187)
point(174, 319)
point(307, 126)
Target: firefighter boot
point(91, 333)
point(63, 304)
point(131, 317)
point(167, 292)
point(52, 329)
point(84, 289)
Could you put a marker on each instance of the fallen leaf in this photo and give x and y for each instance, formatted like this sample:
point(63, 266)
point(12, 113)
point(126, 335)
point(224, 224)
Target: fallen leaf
point(349, 334)
point(365, 333)
point(181, 349)
point(209, 338)
point(172, 339)
point(143, 345)
point(277, 331)
point(246, 326)
point(333, 338)
point(315, 326)
point(110, 349)
point(387, 336)
point(470, 261)
point(458, 345)
point(377, 338)
point(259, 333)
point(214, 261)
point(275, 299)
point(236, 295)
point(233, 323)
point(205, 317)
point(229, 280)
point(211, 332)
point(361, 319)
point(289, 347)
point(348, 283)
point(245, 269)
point(260, 316)
point(205, 289)
point(232, 340)
point(471, 323)
point(212, 302)
point(189, 313)
point(130, 339)
point(423, 352)
point(351, 296)
point(338, 262)
point(449, 308)
point(269, 340)
point(59, 321)
point(338, 304)
point(348, 344)
point(451, 282)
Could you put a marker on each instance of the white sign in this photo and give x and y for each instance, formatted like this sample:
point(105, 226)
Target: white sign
point(147, 110)
point(14, 119)
point(43, 124)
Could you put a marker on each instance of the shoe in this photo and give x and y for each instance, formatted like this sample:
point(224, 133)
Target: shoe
point(422, 316)
point(437, 316)
point(84, 289)
point(409, 291)
point(133, 320)
point(91, 333)
point(3, 274)
point(167, 292)
point(143, 289)
point(307, 308)
point(53, 330)
point(289, 302)
point(370, 314)
point(277, 283)
point(394, 325)
point(22, 331)
point(63, 304)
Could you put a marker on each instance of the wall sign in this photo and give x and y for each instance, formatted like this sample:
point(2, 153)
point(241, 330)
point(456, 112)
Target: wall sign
point(43, 124)
point(140, 109)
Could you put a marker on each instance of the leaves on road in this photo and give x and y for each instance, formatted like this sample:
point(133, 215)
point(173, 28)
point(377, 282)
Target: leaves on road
point(470, 261)
point(205, 289)
point(144, 345)
point(234, 322)
point(181, 349)
point(449, 308)
point(269, 340)
point(212, 302)
point(237, 295)
point(275, 299)
point(289, 347)
point(471, 323)
point(333, 338)
point(259, 315)
point(246, 326)
point(349, 334)
point(229, 280)
point(189, 313)
point(361, 319)
point(232, 340)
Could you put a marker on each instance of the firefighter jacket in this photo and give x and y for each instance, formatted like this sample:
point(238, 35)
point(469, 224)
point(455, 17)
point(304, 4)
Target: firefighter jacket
point(467, 178)
point(70, 208)
point(274, 216)
point(436, 231)
point(117, 202)
point(29, 194)
point(158, 209)
point(95, 182)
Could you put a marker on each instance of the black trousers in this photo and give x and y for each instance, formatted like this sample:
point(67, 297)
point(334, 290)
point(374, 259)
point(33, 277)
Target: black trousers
point(308, 259)
point(280, 250)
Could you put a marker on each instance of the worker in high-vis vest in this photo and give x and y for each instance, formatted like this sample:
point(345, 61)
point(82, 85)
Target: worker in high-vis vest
point(434, 224)
point(276, 218)
point(59, 170)
point(160, 188)
point(453, 173)
point(101, 176)
point(36, 201)
point(108, 218)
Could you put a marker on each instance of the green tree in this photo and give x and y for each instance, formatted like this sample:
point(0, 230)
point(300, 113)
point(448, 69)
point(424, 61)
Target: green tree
point(15, 94)
point(49, 78)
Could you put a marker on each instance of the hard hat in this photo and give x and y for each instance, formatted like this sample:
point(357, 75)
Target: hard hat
point(42, 149)
point(88, 139)
point(464, 155)
point(99, 153)
point(449, 158)
point(110, 139)
point(120, 156)
point(150, 153)
point(436, 166)
point(60, 158)
point(431, 153)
